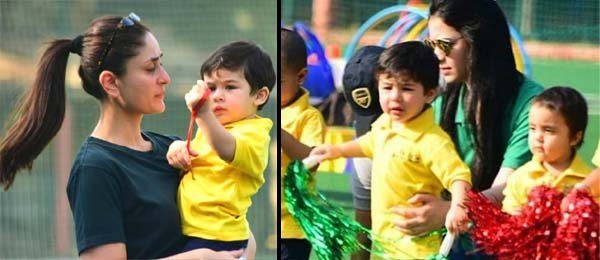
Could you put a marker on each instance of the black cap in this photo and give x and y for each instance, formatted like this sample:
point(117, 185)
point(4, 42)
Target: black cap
point(360, 87)
point(359, 81)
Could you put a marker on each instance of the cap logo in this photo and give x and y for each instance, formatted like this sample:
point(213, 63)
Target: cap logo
point(362, 97)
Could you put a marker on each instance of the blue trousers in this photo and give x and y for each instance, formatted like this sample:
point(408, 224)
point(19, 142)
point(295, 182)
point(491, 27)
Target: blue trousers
point(464, 249)
point(294, 249)
point(196, 242)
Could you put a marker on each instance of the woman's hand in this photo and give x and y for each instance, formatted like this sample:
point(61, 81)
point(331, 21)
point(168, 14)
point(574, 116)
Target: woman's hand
point(429, 213)
point(179, 157)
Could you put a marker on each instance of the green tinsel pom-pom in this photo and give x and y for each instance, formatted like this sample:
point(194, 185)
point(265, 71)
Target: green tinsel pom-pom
point(437, 257)
point(330, 231)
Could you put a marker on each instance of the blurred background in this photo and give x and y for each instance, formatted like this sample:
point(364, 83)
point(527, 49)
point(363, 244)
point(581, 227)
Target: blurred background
point(556, 42)
point(35, 219)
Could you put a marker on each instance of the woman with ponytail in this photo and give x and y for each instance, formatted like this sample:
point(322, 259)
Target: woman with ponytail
point(121, 190)
point(484, 107)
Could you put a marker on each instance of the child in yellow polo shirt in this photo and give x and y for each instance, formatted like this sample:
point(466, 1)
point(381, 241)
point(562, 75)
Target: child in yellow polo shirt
point(231, 148)
point(302, 127)
point(410, 153)
point(557, 121)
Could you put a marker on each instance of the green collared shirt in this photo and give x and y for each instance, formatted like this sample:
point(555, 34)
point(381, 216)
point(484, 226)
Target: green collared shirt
point(513, 133)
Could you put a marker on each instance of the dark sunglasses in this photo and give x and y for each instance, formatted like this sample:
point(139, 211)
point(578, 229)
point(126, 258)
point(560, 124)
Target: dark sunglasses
point(127, 21)
point(443, 44)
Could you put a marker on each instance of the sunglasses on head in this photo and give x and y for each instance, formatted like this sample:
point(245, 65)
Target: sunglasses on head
point(445, 45)
point(127, 21)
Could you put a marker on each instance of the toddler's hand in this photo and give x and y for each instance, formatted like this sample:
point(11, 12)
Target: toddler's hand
point(179, 157)
point(325, 152)
point(457, 219)
point(195, 95)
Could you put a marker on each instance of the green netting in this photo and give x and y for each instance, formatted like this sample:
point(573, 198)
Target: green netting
point(31, 225)
point(554, 20)
point(547, 20)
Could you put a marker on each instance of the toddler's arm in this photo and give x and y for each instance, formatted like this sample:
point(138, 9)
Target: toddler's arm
point(219, 139)
point(457, 219)
point(329, 152)
point(292, 147)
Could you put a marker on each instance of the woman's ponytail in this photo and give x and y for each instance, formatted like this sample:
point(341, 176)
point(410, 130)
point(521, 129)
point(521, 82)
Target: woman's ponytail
point(40, 112)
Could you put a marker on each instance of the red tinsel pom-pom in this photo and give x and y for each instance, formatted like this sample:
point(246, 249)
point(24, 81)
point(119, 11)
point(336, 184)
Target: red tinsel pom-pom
point(541, 230)
point(577, 233)
point(493, 228)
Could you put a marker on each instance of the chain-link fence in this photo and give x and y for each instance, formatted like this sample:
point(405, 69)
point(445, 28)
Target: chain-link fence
point(547, 20)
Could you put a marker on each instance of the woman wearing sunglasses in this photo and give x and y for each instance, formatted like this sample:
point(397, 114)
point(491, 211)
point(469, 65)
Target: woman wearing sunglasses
point(485, 105)
point(122, 190)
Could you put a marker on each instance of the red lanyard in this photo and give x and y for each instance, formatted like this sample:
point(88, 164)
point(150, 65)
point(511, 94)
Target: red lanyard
point(193, 116)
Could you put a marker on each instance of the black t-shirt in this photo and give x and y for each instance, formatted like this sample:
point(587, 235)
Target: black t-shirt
point(122, 195)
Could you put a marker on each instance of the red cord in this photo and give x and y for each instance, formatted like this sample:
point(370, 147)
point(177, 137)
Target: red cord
point(193, 116)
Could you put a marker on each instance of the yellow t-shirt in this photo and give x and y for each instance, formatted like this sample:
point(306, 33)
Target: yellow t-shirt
point(532, 174)
point(419, 157)
point(215, 196)
point(596, 158)
point(307, 125)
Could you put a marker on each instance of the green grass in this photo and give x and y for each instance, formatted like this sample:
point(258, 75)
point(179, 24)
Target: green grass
point(581, 75)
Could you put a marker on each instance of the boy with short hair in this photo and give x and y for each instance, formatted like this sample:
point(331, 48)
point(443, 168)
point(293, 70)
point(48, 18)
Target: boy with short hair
point(302, 127)
point(410, 153)
point(231, 148)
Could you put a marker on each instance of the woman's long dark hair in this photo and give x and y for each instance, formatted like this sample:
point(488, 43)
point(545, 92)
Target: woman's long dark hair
point(493, 79)
point(41, 111)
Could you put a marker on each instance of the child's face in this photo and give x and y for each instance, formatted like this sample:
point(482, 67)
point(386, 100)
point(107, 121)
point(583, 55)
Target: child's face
point(401, 97)
point(549, 137)
point(231, 98)
point(290, 83)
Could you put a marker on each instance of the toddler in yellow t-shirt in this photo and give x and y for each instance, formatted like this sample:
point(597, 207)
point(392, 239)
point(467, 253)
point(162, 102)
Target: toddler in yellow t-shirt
point(302, 127)
point(557, 121)
point(410, 153)
point(230, 149)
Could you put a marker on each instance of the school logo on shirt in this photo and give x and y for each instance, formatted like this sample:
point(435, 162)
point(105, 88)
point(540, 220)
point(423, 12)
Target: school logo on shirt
point(407, 156)
point(362, 97)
